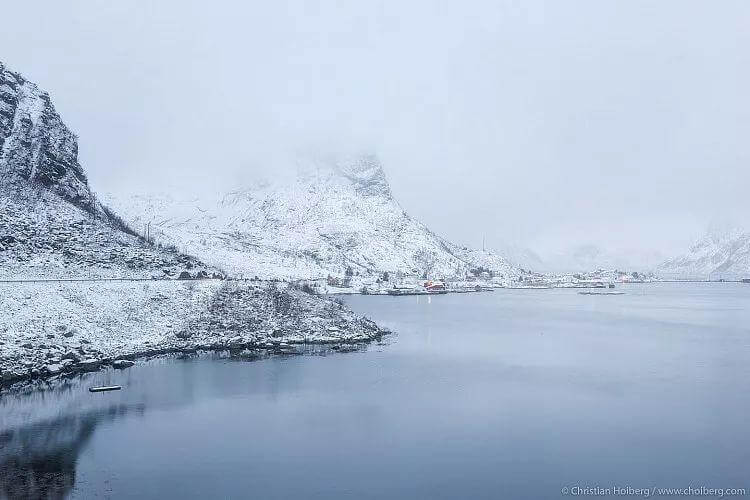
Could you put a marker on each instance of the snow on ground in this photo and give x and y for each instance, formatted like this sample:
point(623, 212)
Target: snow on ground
point(43, 236)
point(51, 224)
point(35, 145)
point(50, 329)
point(333, 216)
point(52, 227)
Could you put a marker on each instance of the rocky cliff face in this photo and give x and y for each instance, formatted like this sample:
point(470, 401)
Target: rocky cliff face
point(366, 175)
point(35, 145)
point(336, 215)
point(52, 227)
point(51, 224)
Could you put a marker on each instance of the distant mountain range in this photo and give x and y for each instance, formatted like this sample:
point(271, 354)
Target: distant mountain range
point(519, 256)
point(589, 257)
point(335, 216)
point(722, 253)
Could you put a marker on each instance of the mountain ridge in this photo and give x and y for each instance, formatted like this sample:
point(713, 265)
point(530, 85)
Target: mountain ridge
point(51, 223)
point(721, 253)
point(36, 146)
point(53, 228)
point(335, 216)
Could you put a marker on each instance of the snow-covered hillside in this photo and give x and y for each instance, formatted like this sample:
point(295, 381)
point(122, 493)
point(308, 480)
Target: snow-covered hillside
point(334, 215)
point(719, 254)
point(590, 257)
point(520, 256)
point(51, 224)
point(35, 145)
point(52, 227)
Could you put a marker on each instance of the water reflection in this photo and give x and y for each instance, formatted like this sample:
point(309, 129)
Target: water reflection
point(45, 428)
point(502, 395)
point(39, 460)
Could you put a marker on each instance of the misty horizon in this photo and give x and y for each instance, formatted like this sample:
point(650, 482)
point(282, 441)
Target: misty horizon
point(617, 126)
point(377, 249)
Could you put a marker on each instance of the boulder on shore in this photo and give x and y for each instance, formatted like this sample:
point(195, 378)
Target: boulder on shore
point(121, 364)
point(89, 365)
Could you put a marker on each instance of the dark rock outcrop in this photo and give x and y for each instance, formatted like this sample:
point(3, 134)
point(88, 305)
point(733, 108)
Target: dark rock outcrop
point(36, 146)
point(51, 223)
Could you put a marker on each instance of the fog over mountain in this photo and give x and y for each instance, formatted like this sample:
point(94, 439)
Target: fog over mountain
point(530, 125)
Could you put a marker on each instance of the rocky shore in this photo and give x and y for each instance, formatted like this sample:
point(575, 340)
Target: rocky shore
point(138, 295)
point(62, 329)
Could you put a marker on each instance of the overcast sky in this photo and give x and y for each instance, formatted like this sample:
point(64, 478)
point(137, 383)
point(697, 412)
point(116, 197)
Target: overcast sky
point(551, 124)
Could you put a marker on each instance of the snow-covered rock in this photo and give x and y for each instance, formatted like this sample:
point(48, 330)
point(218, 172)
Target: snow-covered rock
point(52, 226)
point(36, 146)
point(51, 223)
point(334, 216)
point(127, 319)
point(719, 254)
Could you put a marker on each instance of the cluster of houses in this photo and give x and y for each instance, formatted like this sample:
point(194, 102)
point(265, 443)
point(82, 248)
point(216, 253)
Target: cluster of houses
point(399, 284)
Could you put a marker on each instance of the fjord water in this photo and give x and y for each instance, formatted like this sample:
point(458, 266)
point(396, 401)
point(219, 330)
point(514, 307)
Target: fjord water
point(510, 394)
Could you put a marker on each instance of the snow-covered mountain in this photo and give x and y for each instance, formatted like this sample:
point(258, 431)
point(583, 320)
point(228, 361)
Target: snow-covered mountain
point(721, 253)
point(590, 257)
point(331, 217)
point(51, 224)
point(520, 256)
point(335, 217)
point(35, 145)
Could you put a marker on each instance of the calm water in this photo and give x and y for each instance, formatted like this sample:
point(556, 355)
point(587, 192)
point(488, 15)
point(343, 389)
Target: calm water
point(511, 394)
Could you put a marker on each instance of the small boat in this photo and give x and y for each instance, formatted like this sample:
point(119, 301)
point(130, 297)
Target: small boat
point(105, 388)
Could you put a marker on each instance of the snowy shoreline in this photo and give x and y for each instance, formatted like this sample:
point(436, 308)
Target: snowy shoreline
point(60, 329)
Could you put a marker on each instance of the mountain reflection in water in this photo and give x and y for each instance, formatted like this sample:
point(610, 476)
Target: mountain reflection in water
point(44, 429)
point(39, 460)
point(511, 394)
